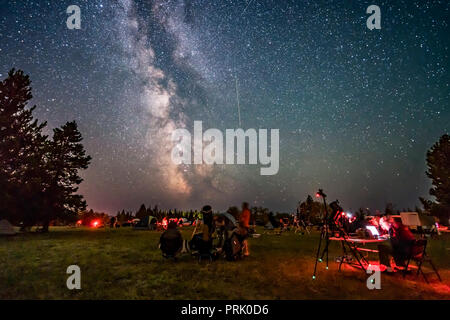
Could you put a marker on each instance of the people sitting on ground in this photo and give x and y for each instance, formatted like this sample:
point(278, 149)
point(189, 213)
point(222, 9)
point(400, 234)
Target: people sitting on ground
point(234, 235)
point(223, 228)
point(171, 241)
point(401, 242)
point(221, 232)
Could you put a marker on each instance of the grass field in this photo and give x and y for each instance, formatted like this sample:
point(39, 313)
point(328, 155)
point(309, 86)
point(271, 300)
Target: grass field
point(126, 264)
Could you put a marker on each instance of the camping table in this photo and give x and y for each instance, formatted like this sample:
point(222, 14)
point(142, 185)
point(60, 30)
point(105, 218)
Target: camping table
point(357, 251)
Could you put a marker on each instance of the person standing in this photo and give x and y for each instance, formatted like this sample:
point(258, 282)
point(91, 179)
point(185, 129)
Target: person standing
point(208, 226)
point(244, 226)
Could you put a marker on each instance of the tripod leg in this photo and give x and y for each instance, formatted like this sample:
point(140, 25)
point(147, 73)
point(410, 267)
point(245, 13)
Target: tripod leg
point(435, 270)
point(317, 255)
point(344, 254)
point(355, 254)
point(325, 251)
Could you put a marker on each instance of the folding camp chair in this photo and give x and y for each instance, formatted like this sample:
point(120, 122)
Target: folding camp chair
point(417, 253)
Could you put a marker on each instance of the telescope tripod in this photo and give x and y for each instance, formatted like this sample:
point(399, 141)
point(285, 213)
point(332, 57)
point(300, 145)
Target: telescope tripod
point(325, 234)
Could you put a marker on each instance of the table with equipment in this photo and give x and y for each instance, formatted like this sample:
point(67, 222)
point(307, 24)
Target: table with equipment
point(358, 252)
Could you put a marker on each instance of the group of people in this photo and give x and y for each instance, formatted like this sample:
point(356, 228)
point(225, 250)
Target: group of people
point(216, 235)
point(401, 239)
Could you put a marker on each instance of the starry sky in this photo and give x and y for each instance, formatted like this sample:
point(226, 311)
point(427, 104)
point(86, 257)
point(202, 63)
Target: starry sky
point(357, 109)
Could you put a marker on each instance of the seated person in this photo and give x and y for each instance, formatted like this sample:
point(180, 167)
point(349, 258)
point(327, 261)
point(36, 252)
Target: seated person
point(221, 231)
point(225, 228)
point(358, 223)
point(171, 241)
point(203, 241)
point(384, 225)
point(401, 242)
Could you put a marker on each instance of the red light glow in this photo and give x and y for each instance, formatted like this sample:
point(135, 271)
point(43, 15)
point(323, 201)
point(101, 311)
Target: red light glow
point(95, 223)
point(164, 223)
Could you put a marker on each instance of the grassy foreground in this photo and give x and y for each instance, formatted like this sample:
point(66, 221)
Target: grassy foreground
point(126, 264)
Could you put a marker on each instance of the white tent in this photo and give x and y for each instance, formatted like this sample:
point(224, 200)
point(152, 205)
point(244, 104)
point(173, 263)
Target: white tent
point(410, 219)
point(6, 229)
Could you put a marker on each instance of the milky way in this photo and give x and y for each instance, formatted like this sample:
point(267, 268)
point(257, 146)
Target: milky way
point(357, 109)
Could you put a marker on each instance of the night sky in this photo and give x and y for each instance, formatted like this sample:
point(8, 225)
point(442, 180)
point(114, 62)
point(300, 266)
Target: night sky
point(357, 109)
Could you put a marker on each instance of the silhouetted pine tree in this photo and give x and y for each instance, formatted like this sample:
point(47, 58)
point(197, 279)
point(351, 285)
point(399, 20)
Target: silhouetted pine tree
point(38, 177)
point(438, 162)
point(66, 156)
point(142, 212)
point(22, 147)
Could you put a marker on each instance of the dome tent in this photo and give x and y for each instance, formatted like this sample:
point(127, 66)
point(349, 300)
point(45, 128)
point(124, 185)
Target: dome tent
point(146, 223)
point(6, 228)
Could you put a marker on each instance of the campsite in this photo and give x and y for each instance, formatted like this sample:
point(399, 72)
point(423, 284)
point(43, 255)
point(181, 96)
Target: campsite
point(127, 264)
point(249, 150)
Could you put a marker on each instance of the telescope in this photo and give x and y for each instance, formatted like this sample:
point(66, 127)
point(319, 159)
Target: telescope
point(333, 221)
point(320, 194)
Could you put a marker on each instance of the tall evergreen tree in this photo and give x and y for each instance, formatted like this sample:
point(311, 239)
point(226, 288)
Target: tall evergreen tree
point(66, 156)
point(142, 212)
point(438, 162)
point(311, 210)
point(22, 147)
point(38, 177)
